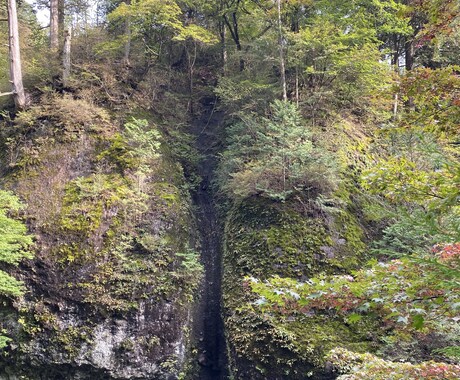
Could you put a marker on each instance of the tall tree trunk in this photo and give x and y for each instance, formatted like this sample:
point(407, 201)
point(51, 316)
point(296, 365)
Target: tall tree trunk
point(61, 19)
point(281, 47)
point(127, 49)
point(15, 56)
point(409, 48)
point(233, 27)
point(54, 25)
point(409, 55)
point(66, 56)
point(128, 42)
point(223, 41)
point(237, 40)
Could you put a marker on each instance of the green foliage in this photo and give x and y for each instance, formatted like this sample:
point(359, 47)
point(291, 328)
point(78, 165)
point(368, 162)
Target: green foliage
point(335, 54)
point(4, 341)
point(354, 366)
point(137, 149)
point(435, 94)
point(150, 20)
point(14, 238)
point(144, 142)
point(147, 13)
point(415, 175)
point(9, 286)
point(191, 263)
point(241, 94)
point(14, 242)
point(407, 297)
point(450, 352)
point(274, 157)
point(14, 246)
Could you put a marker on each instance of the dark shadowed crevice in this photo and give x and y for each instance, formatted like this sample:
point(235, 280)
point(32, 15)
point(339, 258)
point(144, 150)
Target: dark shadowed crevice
point(209, 327)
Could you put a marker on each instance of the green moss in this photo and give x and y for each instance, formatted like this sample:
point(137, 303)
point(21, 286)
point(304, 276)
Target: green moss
point(266, 238)
point(71, 339)
point(114, 229)
point(115, 151)
point(263, 239)
point(315, 336)
point(98, 201)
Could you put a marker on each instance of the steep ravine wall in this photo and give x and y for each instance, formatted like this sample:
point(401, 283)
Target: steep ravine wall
point(109, 294)
point(263, 239)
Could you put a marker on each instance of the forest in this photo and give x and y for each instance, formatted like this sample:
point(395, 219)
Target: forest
point(229, 189)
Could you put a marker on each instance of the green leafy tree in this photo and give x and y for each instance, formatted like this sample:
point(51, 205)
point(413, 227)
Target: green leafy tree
point(416, 172)
point(153, 22)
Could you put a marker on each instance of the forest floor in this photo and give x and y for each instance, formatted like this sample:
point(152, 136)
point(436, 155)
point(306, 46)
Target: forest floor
point(209, 324)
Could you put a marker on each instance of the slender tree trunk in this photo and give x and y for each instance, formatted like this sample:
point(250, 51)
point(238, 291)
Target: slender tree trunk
point(409, 55)
point(61, 19)
point(237, 40)
point(66, 56)
point(281, 47)
point(128, 42)
point(54, 25)
point(395, 106)
point(409, 48)
point(234, 32)
point(127, 51)
point(15, 56)
point(223, 41)
point(297, 93)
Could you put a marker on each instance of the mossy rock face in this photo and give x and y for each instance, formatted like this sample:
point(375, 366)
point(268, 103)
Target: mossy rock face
point(110, 291)
point(263, 239)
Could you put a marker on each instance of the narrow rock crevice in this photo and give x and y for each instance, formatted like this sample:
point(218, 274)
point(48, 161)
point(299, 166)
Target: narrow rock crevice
point(209, 325)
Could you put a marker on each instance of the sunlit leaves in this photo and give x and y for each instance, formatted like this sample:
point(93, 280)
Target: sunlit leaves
point(13, 237)
point(149, 13)
point(14, 244)
point(147, 18)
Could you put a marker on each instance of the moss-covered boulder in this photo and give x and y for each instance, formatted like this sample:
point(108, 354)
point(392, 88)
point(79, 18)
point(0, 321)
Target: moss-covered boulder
point(297, 240)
